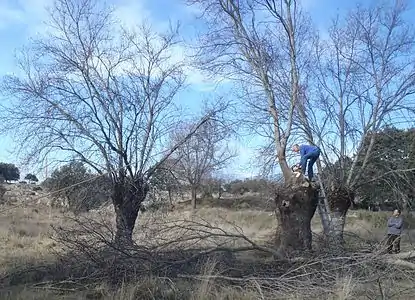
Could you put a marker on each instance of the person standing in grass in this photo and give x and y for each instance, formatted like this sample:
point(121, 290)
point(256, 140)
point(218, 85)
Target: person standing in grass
point(395, 226)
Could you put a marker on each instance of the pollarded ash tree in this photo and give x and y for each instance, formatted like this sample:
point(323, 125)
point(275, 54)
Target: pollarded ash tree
point(264, 47)
point(364, 80)
point(93, 90)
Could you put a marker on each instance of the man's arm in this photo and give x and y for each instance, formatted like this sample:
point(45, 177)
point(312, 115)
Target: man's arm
point(302, 151)
point(302, 154)
point(399, 223)
point(391, 222)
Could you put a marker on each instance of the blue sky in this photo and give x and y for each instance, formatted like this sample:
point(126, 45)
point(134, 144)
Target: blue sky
point(22, 19)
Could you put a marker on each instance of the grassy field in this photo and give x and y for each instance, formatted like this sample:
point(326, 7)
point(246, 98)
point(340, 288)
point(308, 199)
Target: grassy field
point(29, 248)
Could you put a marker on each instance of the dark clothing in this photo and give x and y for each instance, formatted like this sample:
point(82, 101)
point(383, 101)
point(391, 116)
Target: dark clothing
point(310, 153)
point(395, 225)
point(394, 243)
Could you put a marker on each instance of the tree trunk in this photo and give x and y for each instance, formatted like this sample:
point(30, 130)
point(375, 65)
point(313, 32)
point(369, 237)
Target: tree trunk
point(296, 205)
point(127, 198)
point(2, 192)
point(170, 197)
point(194, 195)
point(340, 198)
point(335, 234)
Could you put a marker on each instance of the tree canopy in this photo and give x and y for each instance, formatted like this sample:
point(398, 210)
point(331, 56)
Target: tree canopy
point(80, 189)
point(390, 172)
point(92, 89)
point(9, 172)
point(201, 155)
point(31, 177)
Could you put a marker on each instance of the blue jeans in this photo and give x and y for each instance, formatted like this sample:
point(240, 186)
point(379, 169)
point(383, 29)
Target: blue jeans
point(312, 158)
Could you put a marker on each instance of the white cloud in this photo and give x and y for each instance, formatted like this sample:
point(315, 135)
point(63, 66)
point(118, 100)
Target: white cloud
point(34, 14)
point(242, 166)
point(9, 16)
point(131, 13)
point(30, 13)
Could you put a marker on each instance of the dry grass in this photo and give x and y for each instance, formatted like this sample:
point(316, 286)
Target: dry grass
point(25, 235)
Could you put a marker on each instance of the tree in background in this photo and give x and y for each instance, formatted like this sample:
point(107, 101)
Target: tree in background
point(105, 94)
point(387, 180)
point(201, 155)
point(389, 175)
point(252, 185)
point(9, 172)
point(165, 179)
point(213, 185)
point(31, 178)
point(80, 189)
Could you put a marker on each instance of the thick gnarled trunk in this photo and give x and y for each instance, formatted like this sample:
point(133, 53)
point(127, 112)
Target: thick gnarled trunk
point(127, 198)
point(295, 207)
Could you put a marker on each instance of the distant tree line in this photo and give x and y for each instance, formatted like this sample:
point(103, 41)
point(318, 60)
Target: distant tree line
point(9, 172)
point(386, 183)
point(31, 178)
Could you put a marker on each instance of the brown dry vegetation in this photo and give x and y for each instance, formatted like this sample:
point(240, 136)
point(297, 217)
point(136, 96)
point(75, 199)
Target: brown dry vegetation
point(35, 265)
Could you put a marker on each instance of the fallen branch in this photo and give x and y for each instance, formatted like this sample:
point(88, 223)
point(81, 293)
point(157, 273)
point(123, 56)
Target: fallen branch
point(221, 277)
point(403, 255)
point(401, 263)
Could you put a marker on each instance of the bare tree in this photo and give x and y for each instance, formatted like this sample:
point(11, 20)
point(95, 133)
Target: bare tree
point(365, 79)
point(165, 179)
point(263, 45)
point(93, 90)
point(214, 184)
point(255, 44)
point(388, 43)
point(202, 154)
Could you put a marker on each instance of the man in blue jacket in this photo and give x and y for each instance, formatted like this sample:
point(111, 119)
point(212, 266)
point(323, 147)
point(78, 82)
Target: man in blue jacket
point(308, 153)
point(395, 223)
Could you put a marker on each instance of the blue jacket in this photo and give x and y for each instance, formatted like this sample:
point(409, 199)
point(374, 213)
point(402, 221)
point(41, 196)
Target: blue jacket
point(395, 225)
point(305, 149)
